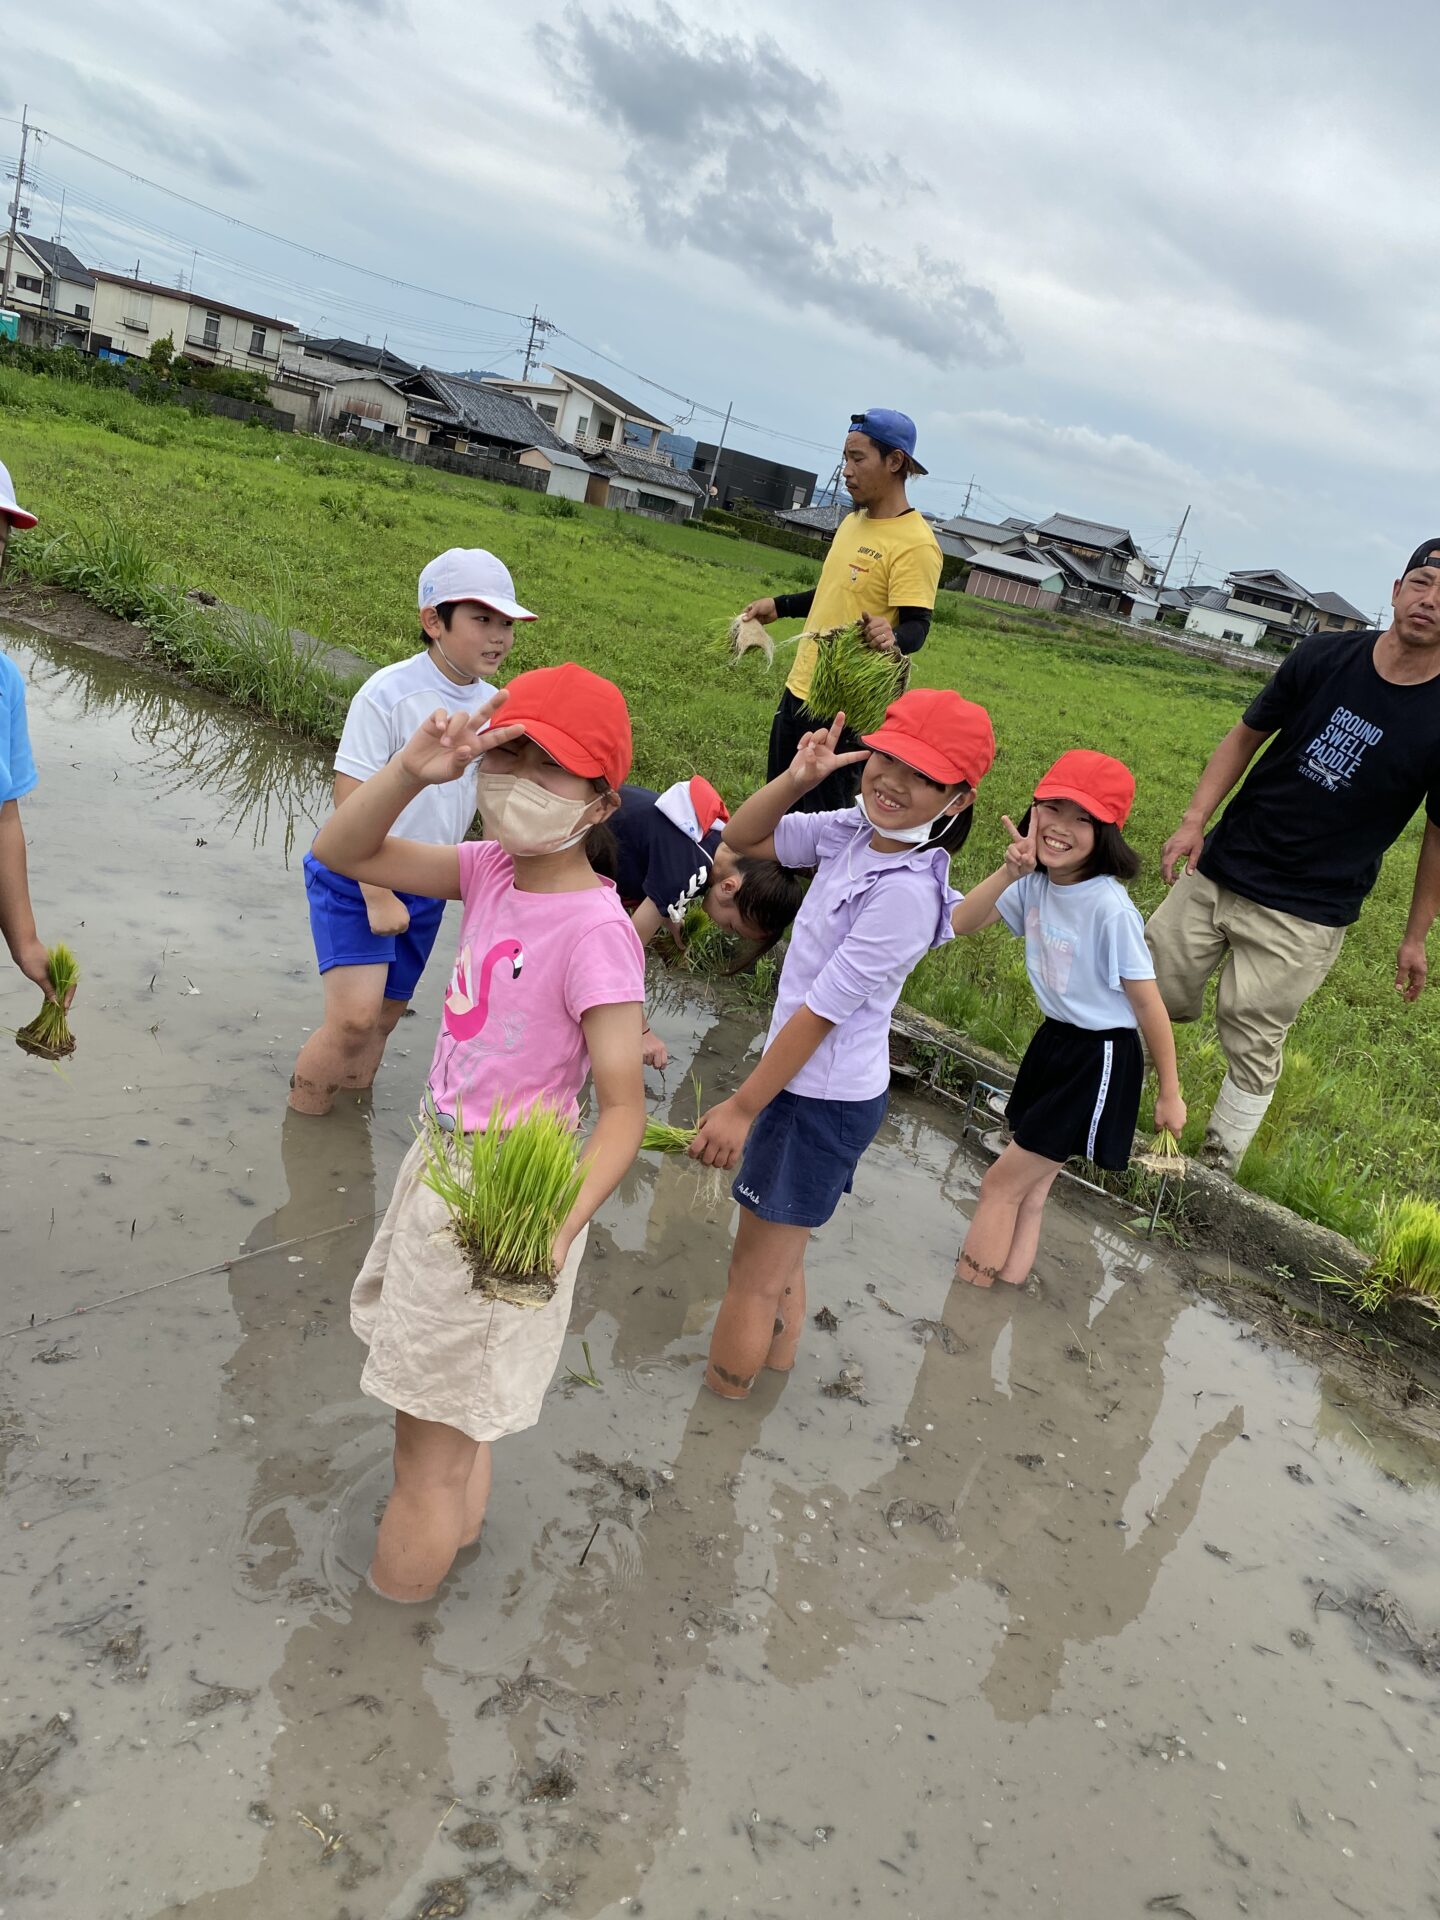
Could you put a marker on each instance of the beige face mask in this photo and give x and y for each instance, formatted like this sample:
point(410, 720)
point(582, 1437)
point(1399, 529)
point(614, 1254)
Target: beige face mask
point(526, 819)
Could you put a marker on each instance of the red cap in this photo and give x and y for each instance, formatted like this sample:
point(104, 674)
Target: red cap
point(1104, 787)
point(939, 734)
point(580, 719)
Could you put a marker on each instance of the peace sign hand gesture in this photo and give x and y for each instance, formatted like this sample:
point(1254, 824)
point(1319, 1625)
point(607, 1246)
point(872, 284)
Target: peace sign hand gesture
point(442, 747)
point(1020, 857)
point(816, 759)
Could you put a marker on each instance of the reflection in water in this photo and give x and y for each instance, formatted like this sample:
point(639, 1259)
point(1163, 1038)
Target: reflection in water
point(360, 1740)
point(1020, 1444)
point(276, 786)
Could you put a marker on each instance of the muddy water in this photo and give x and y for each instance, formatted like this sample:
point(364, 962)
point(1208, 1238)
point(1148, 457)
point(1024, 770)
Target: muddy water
point(1060, 1610)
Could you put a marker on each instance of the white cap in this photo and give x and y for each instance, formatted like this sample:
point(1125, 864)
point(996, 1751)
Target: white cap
point(16, 514)
point(470, 573)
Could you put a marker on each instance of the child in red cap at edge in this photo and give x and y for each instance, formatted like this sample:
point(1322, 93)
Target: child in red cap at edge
point(880, 899)
point(1078, 1089)
point(549, 982)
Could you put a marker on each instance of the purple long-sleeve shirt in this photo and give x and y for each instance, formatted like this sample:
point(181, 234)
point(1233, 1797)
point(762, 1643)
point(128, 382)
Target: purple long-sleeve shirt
point(867, 919)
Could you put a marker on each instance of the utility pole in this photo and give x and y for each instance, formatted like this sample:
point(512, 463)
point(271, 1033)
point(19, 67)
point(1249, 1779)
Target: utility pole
point(969, 489)
point(1194, 569)
point(537, 327)
point(15, 203)
point(1174, 548)
point(720, 448)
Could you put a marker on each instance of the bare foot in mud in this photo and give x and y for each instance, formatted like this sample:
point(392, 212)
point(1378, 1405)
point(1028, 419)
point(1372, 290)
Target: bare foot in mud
point(966, 1269)
point(725, 1385)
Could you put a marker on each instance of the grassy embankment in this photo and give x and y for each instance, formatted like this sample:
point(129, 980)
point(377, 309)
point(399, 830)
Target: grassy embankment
point(331, 540)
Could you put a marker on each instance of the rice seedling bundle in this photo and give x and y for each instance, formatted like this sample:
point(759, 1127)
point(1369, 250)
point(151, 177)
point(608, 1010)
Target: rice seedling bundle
point(854, 679)
point(662, 1138)
point(1409, 1256)
point(508, 1190)
point(745, 634)
point(48, 1034)
point(1165, 1156)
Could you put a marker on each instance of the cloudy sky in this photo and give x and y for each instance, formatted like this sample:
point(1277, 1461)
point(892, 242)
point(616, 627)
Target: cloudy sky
point(1115, 258)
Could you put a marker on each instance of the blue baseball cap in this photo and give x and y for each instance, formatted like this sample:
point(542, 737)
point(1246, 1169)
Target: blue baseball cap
point(887, 428)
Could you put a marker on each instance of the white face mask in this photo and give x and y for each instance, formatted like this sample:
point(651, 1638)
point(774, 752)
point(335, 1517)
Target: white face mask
point(527, 819)
point(915, 836)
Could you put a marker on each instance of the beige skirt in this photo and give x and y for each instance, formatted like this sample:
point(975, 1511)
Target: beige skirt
point(438, 1349)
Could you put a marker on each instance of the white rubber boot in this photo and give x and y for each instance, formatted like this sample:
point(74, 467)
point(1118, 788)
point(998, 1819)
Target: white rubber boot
point(1234, 1121)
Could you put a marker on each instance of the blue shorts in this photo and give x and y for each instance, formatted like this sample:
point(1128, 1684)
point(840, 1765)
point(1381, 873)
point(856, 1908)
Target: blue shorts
point(340, 929)
point(802, 1154)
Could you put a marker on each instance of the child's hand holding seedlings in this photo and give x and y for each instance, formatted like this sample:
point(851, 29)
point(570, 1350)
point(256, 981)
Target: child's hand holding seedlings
point(816, 759)
point(721, 1135)
point(442, 747)
point(1170, 1114)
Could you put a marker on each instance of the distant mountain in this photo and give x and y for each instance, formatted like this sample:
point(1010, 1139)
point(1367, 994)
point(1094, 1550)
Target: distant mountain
point(680, 447)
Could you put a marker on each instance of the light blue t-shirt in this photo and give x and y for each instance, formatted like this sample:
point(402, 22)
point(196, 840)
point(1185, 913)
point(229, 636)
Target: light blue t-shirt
point(17, 763)
point(1081, 942)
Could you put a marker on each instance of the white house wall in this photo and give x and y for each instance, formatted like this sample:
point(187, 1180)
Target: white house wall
point(1217, 623)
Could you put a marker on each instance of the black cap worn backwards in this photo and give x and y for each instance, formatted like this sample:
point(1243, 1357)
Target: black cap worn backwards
point(1427, 554)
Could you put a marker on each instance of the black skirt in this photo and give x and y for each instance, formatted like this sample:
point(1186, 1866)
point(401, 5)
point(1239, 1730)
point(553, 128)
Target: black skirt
point(1077, 1094)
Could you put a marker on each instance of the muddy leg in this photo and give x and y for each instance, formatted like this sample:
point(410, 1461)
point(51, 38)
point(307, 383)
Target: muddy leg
point(477, 1494)
point(335, 1052)
point(424, 1520)
point(1025, 1241)
point(789, 1320)
point(368, 1064)
point(992, 1226)
point(763, 1258)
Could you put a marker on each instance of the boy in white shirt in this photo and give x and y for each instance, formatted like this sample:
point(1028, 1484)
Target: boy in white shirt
point(372, 944)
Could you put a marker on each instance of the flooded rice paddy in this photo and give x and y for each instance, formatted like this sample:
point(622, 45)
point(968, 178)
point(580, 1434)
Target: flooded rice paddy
point(1091, 1601)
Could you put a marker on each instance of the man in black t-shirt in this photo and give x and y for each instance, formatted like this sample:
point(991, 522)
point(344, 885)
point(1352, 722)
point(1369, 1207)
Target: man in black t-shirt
point(1353, 722)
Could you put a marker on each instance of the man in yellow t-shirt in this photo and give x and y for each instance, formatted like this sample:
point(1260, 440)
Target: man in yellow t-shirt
point(883, 567)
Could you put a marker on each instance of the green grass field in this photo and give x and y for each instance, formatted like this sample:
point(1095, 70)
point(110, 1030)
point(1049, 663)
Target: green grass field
point(338, 537)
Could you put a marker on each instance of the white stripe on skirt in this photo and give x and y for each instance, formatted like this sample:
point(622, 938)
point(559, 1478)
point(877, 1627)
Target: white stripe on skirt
point(1100, 1099)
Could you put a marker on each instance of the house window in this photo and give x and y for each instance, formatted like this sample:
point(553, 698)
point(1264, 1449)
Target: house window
point(548, 414)
point(257, 340)
point(1229, 633)
point(82, 313)
point(584, 426)
point(211, 336)
point(409, 433)
point(656, 503)
point(28, 283)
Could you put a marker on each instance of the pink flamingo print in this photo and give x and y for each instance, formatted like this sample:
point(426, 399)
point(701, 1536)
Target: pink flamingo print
point(466, 1014)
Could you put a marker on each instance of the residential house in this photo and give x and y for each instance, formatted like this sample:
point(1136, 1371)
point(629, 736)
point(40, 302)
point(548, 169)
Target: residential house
point(1287, 609)
point(1016, 581)
point(363, 403)
point(750, 478)
point(568, 475)
point(338, 358)
point(818, 520)
point(1334, 614)
point(585, 411)
point(471, 416)
point(51, 290)
point(1108, 553)
point(962, 537)
point(129, 316)
point(1208, 612)
point(640, 482)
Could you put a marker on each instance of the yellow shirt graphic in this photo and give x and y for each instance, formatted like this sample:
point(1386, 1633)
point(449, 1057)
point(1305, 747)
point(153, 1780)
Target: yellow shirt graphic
point(873, 566)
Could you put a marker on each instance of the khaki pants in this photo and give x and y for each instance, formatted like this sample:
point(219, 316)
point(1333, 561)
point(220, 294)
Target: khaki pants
point(1270, 964)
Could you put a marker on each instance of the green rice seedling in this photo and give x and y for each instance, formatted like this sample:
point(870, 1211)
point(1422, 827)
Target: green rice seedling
point(508, 1190)
point(1408, 1260)
point(854, 679)
point(48, 1034)
point(661, 1137)
point(745, 634)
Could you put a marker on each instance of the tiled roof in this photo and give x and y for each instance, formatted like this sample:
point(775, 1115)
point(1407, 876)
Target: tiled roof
point(1259, 575)
point(64, 264)
point(610, 397)
point(1086, 533)
point(1337, 604)
point(356, 353)
point(631, 464)
point(814, 519)
point(489, 413)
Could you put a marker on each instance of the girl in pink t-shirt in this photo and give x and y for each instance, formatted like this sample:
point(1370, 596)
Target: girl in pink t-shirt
point(549, 982)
